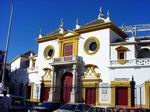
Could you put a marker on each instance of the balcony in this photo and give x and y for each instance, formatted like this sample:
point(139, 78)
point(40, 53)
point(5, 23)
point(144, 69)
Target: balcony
point(131, 62)
point(66, 60)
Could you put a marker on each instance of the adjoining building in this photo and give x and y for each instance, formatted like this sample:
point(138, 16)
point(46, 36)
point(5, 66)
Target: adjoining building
point(96, 63)
point(1, 62)
point(7, 71)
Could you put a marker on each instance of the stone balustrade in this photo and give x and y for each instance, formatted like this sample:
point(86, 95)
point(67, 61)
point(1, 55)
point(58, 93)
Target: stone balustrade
point(130, 62)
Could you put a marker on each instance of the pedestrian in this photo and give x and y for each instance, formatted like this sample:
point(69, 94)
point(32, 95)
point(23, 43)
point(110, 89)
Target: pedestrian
point(5, 103)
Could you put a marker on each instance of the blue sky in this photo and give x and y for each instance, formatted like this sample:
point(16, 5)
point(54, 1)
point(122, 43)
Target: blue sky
point(32, 15)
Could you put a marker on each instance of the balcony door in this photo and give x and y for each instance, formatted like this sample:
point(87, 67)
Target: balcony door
point(68, 51)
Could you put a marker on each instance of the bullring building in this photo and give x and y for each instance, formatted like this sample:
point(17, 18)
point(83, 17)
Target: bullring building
point(96, 63)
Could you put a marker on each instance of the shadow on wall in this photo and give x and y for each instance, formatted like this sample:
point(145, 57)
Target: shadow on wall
point(18, 82)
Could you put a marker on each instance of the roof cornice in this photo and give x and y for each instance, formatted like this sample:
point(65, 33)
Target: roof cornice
point(122, 43)
point(47, 38)
point(84, 30)
point(102, 26)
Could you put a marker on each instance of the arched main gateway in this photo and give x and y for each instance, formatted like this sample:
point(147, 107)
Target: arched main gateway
point(66, 82)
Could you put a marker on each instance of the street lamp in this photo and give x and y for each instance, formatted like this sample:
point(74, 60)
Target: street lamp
point(7, 45)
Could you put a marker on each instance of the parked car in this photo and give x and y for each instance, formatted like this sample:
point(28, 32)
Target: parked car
point(105, 109)
point(134, 109)
point(17, 103)
point(29, 105)
point(74, 107)
point(47, 107)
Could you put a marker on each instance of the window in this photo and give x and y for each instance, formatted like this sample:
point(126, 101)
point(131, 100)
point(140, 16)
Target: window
point(68, 49)
point(91, 45)
point(49, 52)
point(121, 55)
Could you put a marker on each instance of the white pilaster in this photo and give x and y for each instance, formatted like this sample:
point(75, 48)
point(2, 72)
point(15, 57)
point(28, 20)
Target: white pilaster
point(52, 89)
point(74, 84)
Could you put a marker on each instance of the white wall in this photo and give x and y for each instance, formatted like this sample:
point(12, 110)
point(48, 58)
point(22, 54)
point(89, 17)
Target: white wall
point(105, 93)
point(128, 72)
point(130, 52)
point(141, 74)
point(41, 61)
point(15, 64)
point(101, 58)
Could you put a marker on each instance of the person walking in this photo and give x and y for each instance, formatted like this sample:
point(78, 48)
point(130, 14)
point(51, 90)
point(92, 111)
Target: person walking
point(5, 103)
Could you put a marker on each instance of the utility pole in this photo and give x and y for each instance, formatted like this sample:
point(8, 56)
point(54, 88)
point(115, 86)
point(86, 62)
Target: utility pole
point(7, 45)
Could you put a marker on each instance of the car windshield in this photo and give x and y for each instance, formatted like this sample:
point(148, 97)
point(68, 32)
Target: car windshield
point(44, 104)
point(68, 107)
point(51, 104)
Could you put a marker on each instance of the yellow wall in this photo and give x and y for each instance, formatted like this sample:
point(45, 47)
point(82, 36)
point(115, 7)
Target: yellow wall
point(93, 84)
point(147, 94)
point(73, 40)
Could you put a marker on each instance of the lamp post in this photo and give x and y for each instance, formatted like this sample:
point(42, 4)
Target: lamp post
point(41, 91)
point(132, 84)
point(7, 45)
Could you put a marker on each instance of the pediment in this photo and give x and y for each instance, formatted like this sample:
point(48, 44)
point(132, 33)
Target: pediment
point(92, 72)
point(71, 34)
point(47, 75)
point(121, 48)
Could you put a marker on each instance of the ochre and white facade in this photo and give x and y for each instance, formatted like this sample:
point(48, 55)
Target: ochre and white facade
point(96, 63)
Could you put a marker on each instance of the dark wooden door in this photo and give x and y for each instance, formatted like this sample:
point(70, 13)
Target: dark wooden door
point(90, 97)
point(28, 92)
point(122, 96)
point(66, 87)
point(46, 93)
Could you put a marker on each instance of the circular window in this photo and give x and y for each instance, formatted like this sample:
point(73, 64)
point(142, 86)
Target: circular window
point(91, 45)
point(49, 52)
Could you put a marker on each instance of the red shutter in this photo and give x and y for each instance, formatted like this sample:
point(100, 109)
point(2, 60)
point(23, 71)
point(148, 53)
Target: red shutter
point(67, 87)
point(68, 49)
point(90, 96)
point(46, 93)
point(122, 96)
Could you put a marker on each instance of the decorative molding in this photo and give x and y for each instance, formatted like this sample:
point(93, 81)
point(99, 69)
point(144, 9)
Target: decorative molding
point(90, 73)
point(102, 26)
point(73, 40)
point(45, 53)
point(88, 42)
point(131, 62)
point(121, 48)
point(115, 84)
point(47, 75)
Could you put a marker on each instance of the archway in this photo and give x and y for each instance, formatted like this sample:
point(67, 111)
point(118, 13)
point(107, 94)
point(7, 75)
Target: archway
point(66, 83)
point(144, 53)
